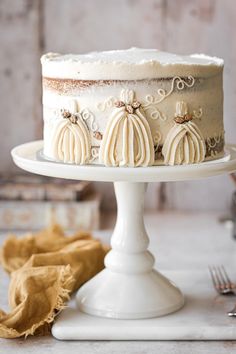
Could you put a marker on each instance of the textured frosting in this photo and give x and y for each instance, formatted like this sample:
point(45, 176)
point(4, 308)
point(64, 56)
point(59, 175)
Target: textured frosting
point(131, 64)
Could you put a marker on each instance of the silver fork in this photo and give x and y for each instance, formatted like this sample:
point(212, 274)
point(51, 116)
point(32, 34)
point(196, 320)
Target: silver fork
point(223, 284)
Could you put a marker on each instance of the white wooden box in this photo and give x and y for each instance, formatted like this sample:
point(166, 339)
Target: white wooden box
point(32, 215)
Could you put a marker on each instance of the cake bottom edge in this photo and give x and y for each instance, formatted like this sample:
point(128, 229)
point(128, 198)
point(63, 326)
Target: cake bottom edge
point(157, 163)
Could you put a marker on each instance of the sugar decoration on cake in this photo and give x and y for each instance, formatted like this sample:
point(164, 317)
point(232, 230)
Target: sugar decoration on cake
point(127, 140)
point(184, 143)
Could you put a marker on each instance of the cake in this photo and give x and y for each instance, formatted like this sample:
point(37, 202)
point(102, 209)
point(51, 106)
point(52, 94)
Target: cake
point(135, 108)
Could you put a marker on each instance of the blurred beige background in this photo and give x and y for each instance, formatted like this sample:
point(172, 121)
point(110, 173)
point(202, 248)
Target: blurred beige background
point(29, 28)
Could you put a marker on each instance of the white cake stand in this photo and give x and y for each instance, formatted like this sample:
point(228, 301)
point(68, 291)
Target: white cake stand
point(129, 287)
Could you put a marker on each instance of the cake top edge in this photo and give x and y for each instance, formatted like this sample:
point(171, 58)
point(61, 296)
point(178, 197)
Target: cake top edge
point(133, 56)
point(133, 63)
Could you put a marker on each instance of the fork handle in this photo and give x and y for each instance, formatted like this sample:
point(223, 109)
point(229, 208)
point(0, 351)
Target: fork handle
point(232, 313)
point(234, 229)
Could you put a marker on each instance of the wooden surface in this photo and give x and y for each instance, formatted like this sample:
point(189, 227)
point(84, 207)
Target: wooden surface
point(175, 248)
point(29, 28)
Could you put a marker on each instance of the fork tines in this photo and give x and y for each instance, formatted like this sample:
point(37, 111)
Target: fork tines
point(221, 280)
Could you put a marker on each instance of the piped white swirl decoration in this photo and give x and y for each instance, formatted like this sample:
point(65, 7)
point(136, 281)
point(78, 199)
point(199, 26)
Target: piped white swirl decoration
point(94, 154)
point(212, 142)
point(184, 143)
point(70, 137)
point(151, 101)
point(107, 104)
point(127, 140)
point(89, 118)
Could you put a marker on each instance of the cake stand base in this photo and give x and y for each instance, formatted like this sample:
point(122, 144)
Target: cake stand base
point(124, 296)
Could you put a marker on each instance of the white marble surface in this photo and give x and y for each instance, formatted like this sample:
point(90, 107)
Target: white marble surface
point(179, 241)
point(203, 317)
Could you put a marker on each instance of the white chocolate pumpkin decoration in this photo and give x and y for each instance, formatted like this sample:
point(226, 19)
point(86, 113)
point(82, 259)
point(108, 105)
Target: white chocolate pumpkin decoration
point(184, 143)
point(70, 137)
point(127, 140)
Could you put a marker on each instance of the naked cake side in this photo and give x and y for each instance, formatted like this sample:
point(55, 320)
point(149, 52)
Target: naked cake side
point(133, 108)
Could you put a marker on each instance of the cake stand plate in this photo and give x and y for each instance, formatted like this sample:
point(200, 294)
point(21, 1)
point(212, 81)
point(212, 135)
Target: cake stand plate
point(27, 157)
point(128, 287)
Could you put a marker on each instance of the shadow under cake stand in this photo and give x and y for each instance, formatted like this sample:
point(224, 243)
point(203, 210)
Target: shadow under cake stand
point(128, 288)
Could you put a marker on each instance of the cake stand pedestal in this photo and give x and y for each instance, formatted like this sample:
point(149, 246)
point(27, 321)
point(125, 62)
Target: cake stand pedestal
point(128, 287)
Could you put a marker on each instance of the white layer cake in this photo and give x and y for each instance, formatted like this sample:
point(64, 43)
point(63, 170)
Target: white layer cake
point(135, 107)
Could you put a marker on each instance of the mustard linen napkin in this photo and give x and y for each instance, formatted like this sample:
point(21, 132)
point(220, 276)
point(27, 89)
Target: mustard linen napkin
point(45, 268)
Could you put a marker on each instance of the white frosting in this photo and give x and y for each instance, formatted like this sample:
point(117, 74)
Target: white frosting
point(184, 143)
point(127, 140)
point(130, 64)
